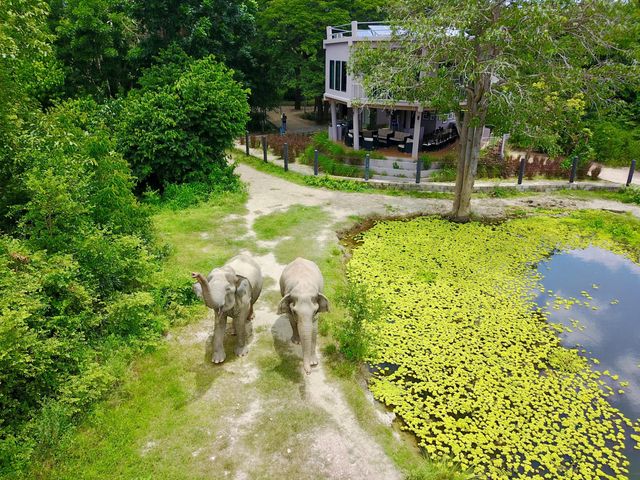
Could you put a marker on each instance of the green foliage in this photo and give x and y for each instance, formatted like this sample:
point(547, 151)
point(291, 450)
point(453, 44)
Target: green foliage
point(167, 68)
point(464, 358)
point(631, 194)
point(445, 174)
point(179, 132)
point(75, 280)
point(294, 30)
point(93, 42)
point(24, 49)
point(342, 184)
point(222, 27)
point(350, 333)
point(503, 192)
point(615, 143)
point(335, 158)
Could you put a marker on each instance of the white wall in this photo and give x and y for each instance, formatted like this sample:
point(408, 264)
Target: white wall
point(338, 52)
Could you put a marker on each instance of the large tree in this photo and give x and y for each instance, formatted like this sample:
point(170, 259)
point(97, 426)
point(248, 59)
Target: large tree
point(220, 27)
point(294, 30)
point(93, 41)
point(495, 62)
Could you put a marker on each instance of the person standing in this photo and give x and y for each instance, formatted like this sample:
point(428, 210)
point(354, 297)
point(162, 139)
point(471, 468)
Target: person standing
point(284, 122)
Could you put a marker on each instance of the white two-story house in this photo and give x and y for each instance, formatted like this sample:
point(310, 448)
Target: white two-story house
point(347, 99)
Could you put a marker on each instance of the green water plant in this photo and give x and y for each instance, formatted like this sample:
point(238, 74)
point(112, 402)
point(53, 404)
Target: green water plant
point(466, 358)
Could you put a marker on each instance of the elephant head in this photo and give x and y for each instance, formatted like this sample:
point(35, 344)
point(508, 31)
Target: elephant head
point(218, 290)
point(302, 305)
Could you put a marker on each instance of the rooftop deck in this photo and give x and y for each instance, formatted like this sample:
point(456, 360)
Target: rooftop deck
point(358, 31)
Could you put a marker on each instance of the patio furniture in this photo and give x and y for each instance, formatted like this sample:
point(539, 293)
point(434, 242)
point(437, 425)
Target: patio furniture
point(407, 146)
point(348, 140)
point(398, 138)
point(370, 143)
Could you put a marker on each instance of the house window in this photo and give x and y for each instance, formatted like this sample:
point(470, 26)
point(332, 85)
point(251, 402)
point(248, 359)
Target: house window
point(338, 75)
point(332, 67)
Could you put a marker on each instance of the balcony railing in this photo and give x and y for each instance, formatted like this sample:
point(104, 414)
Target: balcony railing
point(360, 30)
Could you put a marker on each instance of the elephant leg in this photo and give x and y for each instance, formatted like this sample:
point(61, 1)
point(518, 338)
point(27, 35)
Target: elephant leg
point(240, 323)
point(232, 329)
point(295, 338)
point(218, 339)
point(252, 315)
point(314, 336)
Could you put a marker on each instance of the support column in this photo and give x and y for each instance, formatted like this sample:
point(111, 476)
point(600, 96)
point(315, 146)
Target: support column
point(356, 128)
point(334, 121)
point(416, 135)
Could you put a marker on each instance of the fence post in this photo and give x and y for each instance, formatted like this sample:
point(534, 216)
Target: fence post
point(264, 148)
point(315, 162)
point(418, 170)
point(246, 141)
point(366, 167)
point(286, 157)
point(632, 169)
point(521, 170)
point(574, 168)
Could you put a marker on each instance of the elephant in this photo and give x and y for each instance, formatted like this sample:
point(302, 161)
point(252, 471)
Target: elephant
point(301, 286)
point(231, 291)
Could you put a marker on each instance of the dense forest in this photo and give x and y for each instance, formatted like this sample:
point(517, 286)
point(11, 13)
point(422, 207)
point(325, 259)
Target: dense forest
point(107, 106)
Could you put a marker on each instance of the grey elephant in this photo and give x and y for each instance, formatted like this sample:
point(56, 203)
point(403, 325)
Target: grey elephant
point(301, 286)
point(231, 291)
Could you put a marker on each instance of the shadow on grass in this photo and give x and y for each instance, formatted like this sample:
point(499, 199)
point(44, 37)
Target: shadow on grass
point(206, 372)
point(290, 366)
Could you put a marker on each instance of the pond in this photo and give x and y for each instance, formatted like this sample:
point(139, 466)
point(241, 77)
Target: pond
point(595, 295)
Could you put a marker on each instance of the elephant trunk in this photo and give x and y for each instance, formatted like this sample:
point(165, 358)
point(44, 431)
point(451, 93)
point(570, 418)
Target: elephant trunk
point(206, 291)
point(305, 327)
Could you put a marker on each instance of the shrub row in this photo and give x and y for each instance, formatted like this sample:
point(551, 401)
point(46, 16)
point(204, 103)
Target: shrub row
point(297, 143)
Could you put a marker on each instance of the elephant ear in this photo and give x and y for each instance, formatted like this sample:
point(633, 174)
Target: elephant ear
point(243, 287)
point(230, 275)
point(283, 306)
point(323, 303)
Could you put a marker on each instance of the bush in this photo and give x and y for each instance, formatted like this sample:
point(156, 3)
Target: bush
point(336, 183)
point(445, 174)
point(631, 194)
point(179, 132)
point(75, 281)
point(297, 143)
point(335, 158)
point(350, 333)
point(615, 143)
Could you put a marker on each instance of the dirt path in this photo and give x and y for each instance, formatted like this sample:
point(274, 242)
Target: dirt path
point(296, 123)
point(618, 175)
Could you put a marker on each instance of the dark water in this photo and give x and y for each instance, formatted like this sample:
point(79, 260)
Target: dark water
point(611, 332)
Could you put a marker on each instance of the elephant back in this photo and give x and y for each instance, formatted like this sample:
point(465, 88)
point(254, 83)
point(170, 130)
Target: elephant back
point(247, 267)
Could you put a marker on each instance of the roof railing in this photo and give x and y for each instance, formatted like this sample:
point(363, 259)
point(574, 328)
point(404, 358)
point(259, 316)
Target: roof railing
point(359, 29)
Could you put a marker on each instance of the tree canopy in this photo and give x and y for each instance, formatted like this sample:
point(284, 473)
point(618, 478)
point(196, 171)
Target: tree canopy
point(520, 66)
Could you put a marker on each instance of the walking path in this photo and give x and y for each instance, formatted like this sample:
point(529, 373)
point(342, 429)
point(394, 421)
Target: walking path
point(619, 175)
point(296, 123)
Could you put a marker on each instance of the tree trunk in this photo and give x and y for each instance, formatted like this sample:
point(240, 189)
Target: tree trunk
point(473, 119)
point(320, 109)
point(467, 167)
point(298, 99)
